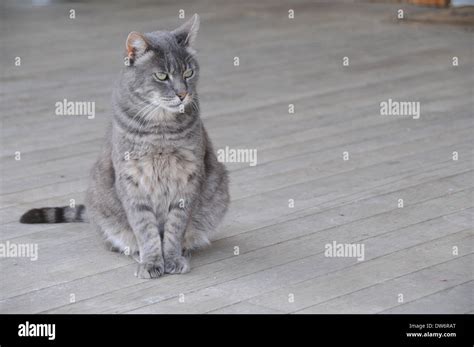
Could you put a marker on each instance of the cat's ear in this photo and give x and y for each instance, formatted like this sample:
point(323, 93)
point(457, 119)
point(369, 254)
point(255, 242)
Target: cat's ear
point(136, 45)
point(186, 33)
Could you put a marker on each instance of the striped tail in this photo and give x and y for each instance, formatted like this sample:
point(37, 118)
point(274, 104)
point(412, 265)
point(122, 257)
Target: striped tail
point(64, 214)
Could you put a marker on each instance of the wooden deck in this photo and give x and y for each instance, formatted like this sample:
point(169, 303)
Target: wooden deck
point(281, 266)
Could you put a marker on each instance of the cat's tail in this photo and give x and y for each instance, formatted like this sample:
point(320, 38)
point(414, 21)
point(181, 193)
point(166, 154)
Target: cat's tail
point(64, 214)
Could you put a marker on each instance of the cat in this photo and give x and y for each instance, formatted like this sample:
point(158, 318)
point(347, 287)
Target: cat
point(157, 190)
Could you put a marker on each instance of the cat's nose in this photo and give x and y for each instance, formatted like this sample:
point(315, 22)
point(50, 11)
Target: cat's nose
point(181, 95)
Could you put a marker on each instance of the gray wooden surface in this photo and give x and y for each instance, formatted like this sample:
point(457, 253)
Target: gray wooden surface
point(281, 266)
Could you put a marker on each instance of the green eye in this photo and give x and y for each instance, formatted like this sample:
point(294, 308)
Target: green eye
point(160, 76)
point(188, 73)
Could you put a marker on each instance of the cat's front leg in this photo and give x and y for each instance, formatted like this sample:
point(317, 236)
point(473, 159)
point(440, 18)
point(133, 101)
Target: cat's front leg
point(142, 219)
point(176, 223)
point(146, 230)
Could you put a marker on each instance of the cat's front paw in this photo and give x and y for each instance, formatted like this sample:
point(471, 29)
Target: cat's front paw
point(151, 269)
point(177, 265)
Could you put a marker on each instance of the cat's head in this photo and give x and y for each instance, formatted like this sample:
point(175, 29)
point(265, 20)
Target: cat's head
point(161, 67)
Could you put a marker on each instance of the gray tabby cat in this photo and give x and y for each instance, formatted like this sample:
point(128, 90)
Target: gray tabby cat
point(157, 189)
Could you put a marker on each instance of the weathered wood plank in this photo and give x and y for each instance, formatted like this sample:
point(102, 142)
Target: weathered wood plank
point(415, 286)
point(312, 292)
point(457, 299)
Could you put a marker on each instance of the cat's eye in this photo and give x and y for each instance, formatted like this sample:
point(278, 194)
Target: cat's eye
point(188, 73)
point(160, 76)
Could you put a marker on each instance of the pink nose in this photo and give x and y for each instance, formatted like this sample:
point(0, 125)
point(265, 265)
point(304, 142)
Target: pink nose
point(182, 95)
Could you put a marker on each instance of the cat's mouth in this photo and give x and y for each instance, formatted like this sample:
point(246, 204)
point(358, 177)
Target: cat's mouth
point(175, 104)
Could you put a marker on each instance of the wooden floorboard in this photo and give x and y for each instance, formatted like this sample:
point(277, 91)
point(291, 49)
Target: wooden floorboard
point(408, 250)
point(419, 286)
point(455, 299)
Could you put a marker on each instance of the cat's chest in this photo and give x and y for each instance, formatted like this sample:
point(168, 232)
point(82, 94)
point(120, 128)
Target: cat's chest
point(164, 172)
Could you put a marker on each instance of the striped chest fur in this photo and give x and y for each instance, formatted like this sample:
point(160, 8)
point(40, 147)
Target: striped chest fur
point(162, 176)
